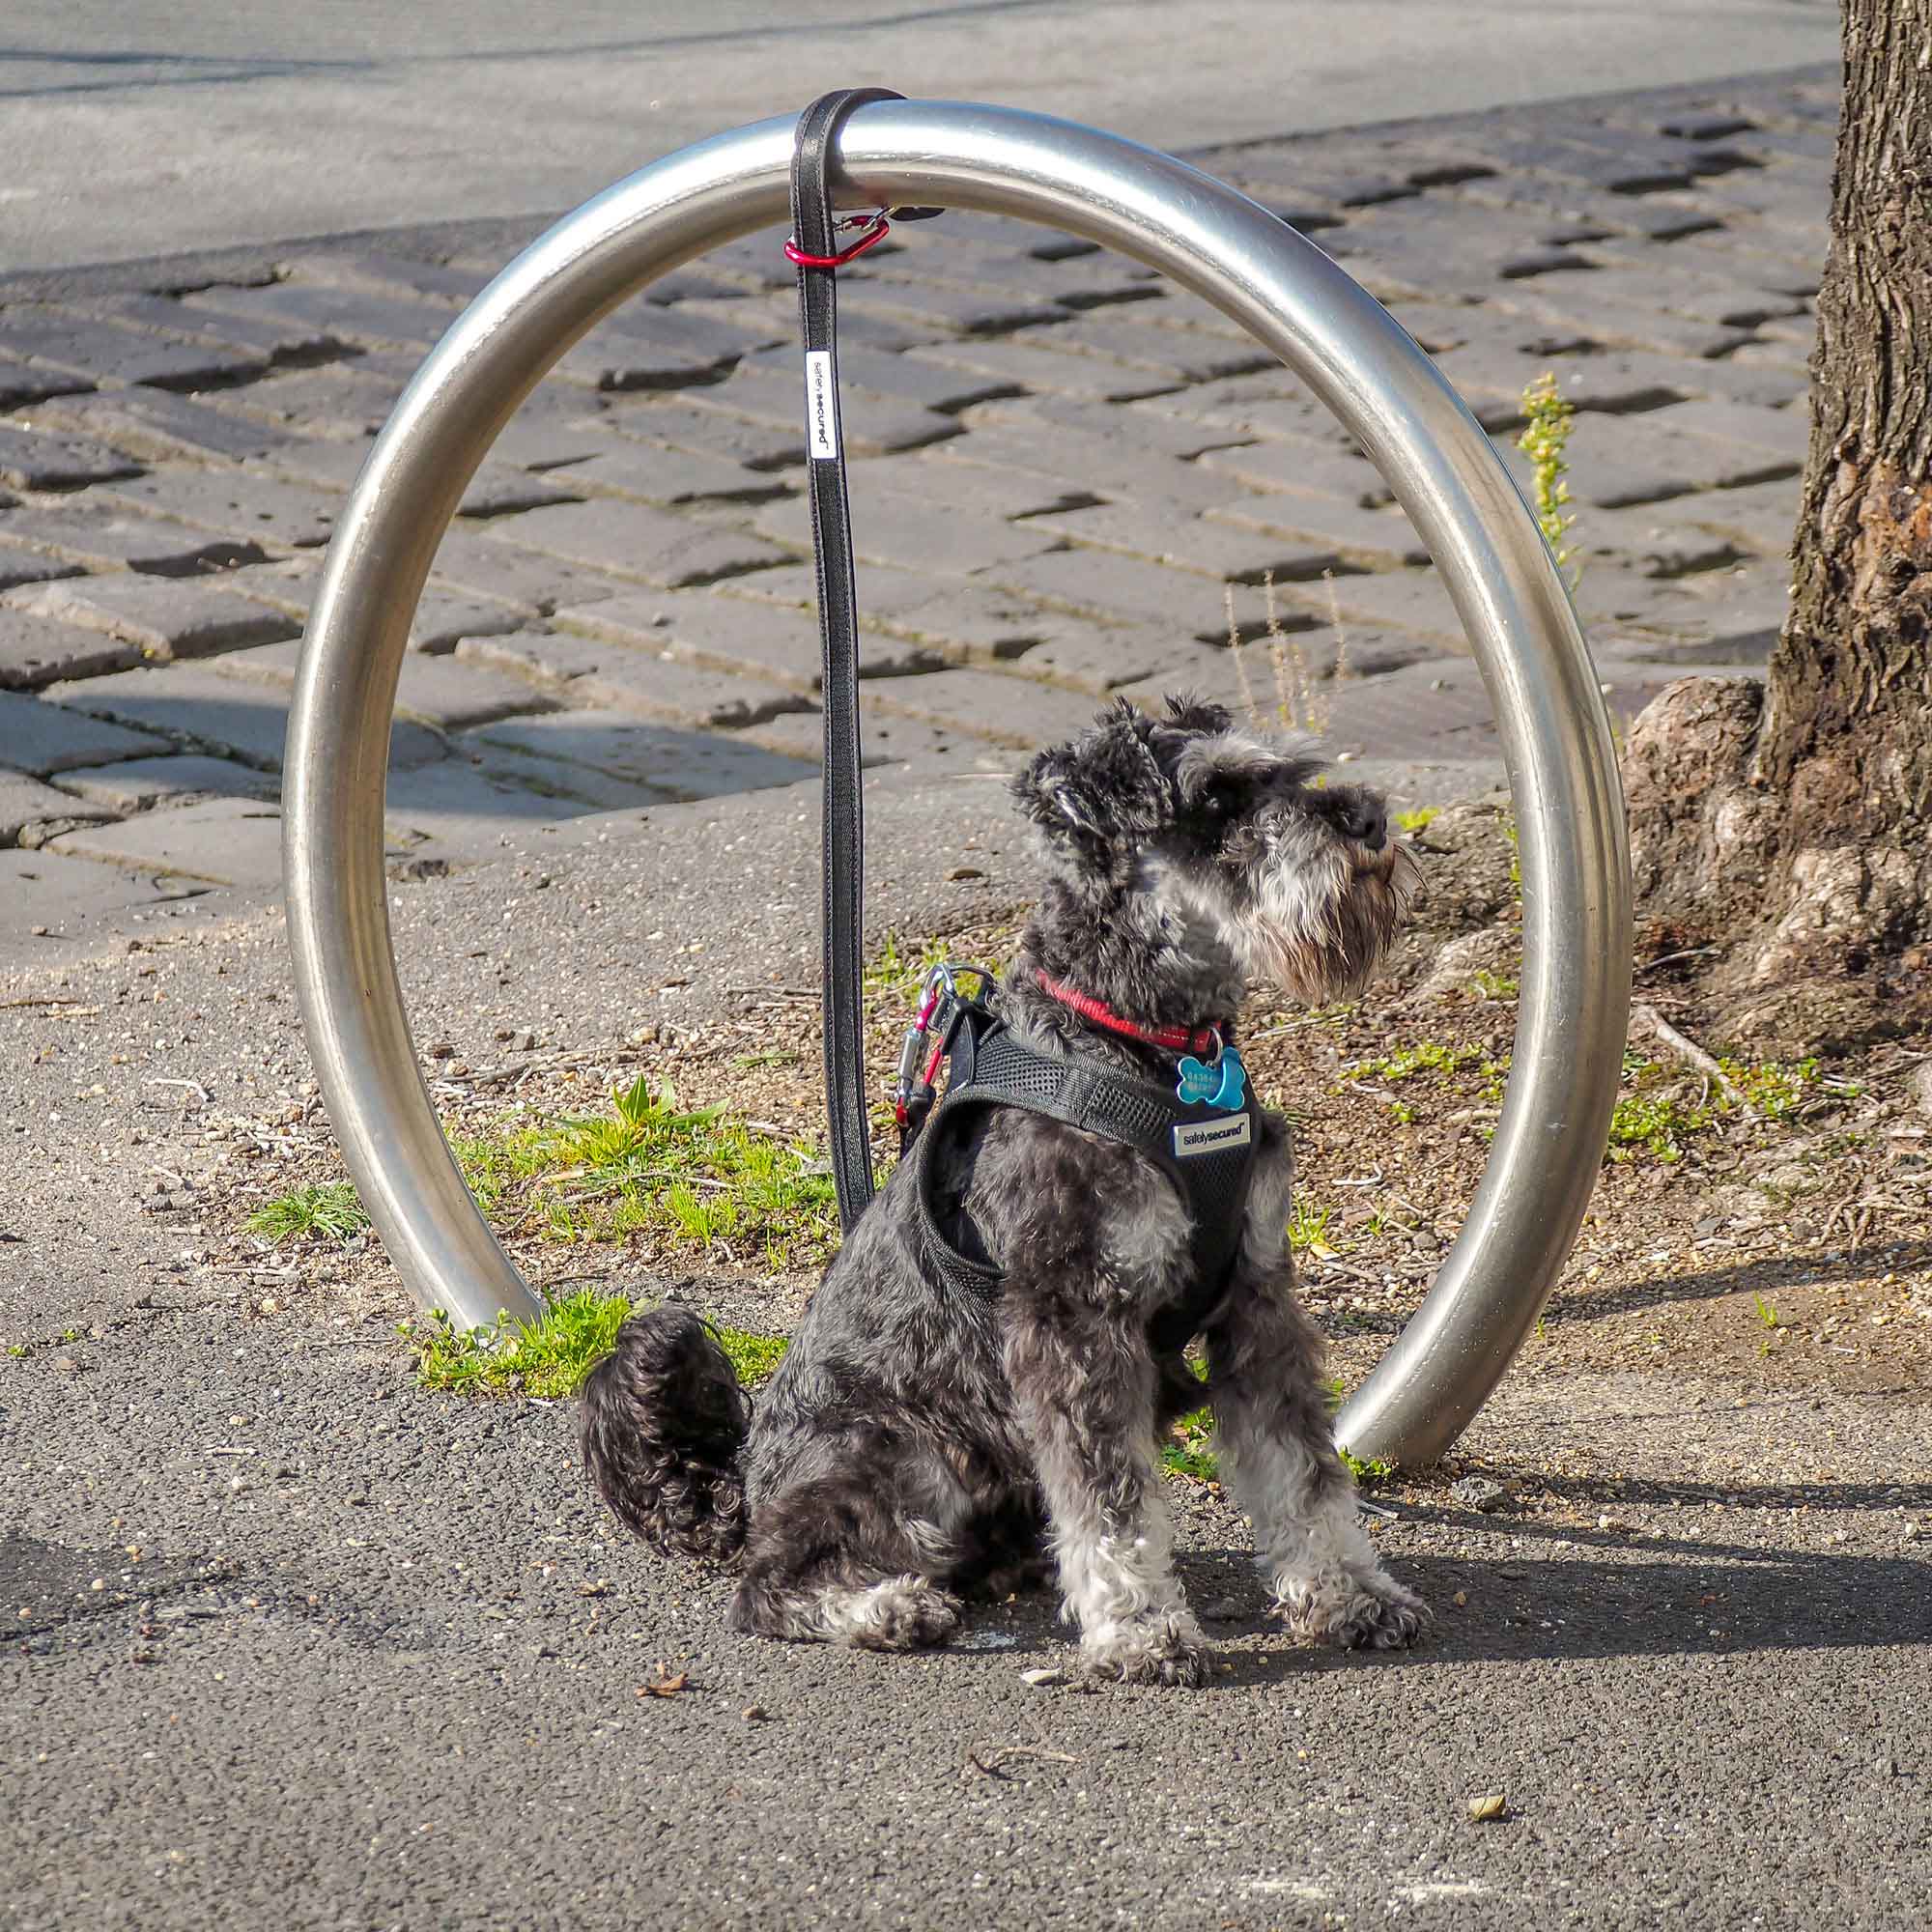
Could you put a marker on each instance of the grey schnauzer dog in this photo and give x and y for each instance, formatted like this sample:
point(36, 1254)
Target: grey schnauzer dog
point(919, 1444)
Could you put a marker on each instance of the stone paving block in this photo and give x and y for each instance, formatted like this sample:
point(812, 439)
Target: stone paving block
point(776, 645)
point(470, 562)
point(1784, 434)
point(1578, 313)
point(645, 347)
point(1333, 534)
point(1762, 518)
point(631, 540)
point(1160, 426)
point(1438, 708)
point(343, 314)
point(435, 691)
point(873, 374)
point(156, 426)
point(657, 475)
point(1118, 589)
point(33, 459)
point(502, 488)
point(1649, 543)
point(1224, 552)
point(238, 503)
point(682, 763)
point(36, 651)
point(1013, 711)
point(682, 424)
point(162, 616)
point(103, 353)
point(229, 842)
point(40, 738)
point(198, 709)
point(1303, 466)
point(458, 814)
point(103, 537)
point(1031, 366)
point(1618, 460)
point(342, 401)
point(1410, 601)
point(642, 682)
point(949, 307)
point(168, 315)
point(21, 567)
point(32, 813)
point(555, 426)
point(24, 385)
point(142, 785)
point(884, 741)
point(985, 488)
point(869, 424)
point(1178, 356)
point(443, 619)
point(394, 276)
point(913, 535)
point(324, 463)
point(49, 898)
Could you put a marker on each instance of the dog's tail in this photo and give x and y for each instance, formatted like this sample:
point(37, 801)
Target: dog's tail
point(662, 1426)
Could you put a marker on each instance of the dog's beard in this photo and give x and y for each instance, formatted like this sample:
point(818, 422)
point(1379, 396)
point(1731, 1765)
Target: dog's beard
point(1319, 929)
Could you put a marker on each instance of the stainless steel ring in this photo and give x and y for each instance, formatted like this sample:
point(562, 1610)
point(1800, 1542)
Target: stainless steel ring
point(1336, 338)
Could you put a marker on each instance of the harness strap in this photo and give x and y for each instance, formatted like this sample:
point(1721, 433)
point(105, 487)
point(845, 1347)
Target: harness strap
point(991, 1068)
point(816, 250)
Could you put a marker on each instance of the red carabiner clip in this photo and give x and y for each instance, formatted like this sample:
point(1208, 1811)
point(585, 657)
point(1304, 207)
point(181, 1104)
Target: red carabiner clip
point(881, 227)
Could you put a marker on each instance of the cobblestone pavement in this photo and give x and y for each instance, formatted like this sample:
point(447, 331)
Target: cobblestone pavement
point(1068, 478)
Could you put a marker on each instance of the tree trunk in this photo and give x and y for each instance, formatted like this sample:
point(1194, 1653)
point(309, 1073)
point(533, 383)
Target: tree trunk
point(1796, 824)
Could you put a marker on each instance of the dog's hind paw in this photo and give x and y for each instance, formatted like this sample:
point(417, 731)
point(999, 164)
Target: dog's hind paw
point(1155, 1652)
point(902, 1613)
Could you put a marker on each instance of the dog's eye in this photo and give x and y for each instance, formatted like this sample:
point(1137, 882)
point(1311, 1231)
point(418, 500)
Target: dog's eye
point(1222, 799)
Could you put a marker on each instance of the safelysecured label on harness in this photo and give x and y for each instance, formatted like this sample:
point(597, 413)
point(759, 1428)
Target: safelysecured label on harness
point(1197, 1137)
point(821, 404)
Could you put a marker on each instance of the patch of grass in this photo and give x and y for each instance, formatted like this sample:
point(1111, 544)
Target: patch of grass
point(1489, 985)
point(1767, 1312)
point(550, 1356)
point(1657, 1117)
point(332, 1212)
point(1418, 820)
point(683, 1177)
point(898, 968)
point(1427, 1056)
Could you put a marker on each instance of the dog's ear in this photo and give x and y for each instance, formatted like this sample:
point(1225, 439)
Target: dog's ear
point(1187, 713)
point(1099, 800)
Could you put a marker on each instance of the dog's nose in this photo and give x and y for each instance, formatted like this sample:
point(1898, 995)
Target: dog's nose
point(1366, 821)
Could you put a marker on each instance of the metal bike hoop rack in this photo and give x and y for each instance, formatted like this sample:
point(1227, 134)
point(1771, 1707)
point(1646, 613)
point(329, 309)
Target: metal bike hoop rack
point(1336, 338)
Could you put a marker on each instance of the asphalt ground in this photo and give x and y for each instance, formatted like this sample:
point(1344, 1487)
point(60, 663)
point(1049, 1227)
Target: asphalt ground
point(378, 1662)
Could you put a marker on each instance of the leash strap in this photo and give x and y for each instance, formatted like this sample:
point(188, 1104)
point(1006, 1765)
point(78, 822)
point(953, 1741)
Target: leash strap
point(815, 249)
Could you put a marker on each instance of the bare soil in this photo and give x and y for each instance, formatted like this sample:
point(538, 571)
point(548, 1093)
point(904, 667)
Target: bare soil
point(1784, 1256)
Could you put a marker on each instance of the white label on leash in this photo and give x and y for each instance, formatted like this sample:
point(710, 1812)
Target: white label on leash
point(1197, 1137)
point(821, 404)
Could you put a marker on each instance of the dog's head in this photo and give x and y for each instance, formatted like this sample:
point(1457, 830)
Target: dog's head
point(1298, 875)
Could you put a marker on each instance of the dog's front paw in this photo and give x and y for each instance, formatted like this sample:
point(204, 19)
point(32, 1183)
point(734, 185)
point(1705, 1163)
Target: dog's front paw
point(1357, 1613)
point(1160, 1650)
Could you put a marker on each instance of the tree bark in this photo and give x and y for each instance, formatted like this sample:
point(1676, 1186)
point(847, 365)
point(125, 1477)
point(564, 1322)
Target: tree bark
point(1797, 822)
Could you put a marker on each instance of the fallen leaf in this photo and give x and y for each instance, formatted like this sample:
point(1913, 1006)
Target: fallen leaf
point(1492, 1804)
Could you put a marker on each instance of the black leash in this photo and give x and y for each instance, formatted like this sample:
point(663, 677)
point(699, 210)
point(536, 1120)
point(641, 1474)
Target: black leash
point(814, 249)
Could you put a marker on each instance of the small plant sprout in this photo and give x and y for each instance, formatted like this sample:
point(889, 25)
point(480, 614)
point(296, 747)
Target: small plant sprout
point(1549, 411)
point(1767, 1312)
point(332, 1212)
point(1299, 702)
point(1418, 820)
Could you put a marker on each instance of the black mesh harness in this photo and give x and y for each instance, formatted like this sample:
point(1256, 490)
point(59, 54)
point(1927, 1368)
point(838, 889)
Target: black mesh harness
point(1207, 1151)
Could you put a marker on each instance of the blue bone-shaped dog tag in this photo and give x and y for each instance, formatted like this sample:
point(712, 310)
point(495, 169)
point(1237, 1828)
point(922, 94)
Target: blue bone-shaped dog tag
point(1223, 1084)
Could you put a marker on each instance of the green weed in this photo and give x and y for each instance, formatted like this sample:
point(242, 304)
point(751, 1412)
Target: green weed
point(1189, 1451)
point(1544, 440)
point(686, 1177)
point(550, 1356)
point(332, 1212)
point(1418, 820)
